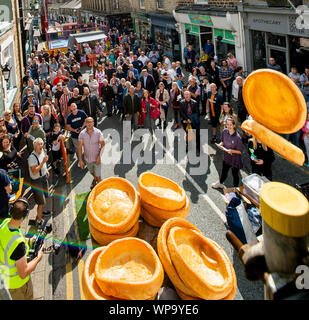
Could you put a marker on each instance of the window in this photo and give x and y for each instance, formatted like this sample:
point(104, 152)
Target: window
point(160, 4)
point(142, 4)
point(201, 1)
point(116, 4)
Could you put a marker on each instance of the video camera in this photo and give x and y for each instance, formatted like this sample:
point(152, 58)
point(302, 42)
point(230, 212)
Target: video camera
point(36, 242)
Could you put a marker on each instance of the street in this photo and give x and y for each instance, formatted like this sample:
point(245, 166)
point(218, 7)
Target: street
point(59, 277)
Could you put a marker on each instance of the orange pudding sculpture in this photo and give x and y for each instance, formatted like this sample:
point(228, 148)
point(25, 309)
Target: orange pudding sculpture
point(113, 210)
point(277, 106)
point(161, 199)
point(129, 269)
point(197, 266)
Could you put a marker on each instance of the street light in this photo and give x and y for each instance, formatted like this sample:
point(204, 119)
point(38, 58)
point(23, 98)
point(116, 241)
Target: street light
point(6, 71)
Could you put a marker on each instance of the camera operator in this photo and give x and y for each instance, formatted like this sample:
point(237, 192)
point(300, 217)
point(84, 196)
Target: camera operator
point(14, 248)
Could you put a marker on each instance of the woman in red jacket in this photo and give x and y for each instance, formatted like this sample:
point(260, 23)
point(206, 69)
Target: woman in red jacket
point(150, 111)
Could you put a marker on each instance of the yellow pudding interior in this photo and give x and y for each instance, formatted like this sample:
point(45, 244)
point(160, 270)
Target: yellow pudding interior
point(194, 257)
point(112, 205)
point(165, 192)
point(126, 269)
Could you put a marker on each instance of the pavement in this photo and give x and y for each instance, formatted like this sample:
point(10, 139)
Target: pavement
point(58, 277)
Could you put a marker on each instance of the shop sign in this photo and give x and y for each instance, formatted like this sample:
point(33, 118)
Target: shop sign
point(139, 17)
point(194, 30)
point(227, 36)
point(203, 20)
point(267, 22)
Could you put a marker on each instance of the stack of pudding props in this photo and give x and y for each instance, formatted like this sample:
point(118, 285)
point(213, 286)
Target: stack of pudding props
point(196, 265)
point(125, 269)
point(113, 210)
point(277, 105)
point(161, 199)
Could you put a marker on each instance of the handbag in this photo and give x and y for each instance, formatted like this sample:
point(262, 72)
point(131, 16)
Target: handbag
point(156, 112)
point(190, 134)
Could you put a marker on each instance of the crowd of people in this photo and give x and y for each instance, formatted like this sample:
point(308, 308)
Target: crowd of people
point(132, 81)
point(129, 83)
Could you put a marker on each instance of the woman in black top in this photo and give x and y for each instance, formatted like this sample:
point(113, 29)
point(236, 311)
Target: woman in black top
point(10, 154)
point(261, 157)
point(214, 72)
point(132, 78)
point(12, 128)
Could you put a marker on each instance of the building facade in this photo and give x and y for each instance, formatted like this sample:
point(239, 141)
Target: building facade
point(155, 19)
point(112, 13)
point(11, 54)
point(276, 29)
point(214, 20)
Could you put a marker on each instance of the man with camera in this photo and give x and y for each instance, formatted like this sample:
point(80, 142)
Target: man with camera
point(14, 268)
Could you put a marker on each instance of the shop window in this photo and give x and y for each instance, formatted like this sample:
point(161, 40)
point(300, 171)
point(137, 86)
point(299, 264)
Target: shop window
point(10, 86)
point(160, 4)
point(259, 50)
point(276, 40)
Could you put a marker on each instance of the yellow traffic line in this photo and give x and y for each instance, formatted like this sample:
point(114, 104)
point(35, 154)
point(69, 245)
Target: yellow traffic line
point(69, 280)
point(80, 275)
point(68, 266)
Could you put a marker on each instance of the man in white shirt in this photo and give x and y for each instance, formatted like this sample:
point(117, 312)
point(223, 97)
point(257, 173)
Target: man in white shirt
point(143, 58)
point(167, 60)
point(39, 177)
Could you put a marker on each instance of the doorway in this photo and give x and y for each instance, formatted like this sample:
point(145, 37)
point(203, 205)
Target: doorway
point(281, 57)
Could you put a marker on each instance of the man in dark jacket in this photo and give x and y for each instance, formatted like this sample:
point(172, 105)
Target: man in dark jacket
point(108, 96)
point(189, 114)
point(152, 71)
point(148, 82)
point(132, 107)
point(91, 105)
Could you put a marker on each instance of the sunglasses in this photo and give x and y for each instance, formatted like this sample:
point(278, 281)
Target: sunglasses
point(34, 121)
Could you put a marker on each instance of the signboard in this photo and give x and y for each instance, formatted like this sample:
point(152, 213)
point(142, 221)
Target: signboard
point(227, 36)
point(203, 20)
point(194, 30)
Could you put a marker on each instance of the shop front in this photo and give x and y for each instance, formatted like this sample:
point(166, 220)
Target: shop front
point(164, 34)
point(222, 30)
point(274, 33)
point(141, 25)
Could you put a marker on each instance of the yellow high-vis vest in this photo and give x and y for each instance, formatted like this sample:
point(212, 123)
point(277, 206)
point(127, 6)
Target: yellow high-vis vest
point(8, 243)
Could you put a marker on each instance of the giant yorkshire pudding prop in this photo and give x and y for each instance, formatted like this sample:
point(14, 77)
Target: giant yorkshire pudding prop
point(162, 214)
point(90, 288)
point(276, 104)
point(105, 238)
point(200, 264)
point(197, 266)
point(113, 206)
point(129, 269)
point(161, 192)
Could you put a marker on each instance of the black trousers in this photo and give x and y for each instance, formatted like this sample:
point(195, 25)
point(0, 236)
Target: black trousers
point(235, 173)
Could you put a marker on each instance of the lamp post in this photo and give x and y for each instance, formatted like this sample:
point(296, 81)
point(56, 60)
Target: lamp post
point(6, 71)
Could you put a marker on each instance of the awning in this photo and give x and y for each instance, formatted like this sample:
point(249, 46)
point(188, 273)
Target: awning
point(85, 37)
point(74, 4)
point(91, 38)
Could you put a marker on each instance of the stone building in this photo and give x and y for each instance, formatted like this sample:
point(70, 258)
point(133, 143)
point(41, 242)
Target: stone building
point(10, 54)
point(154, 18)
point(112, 13)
